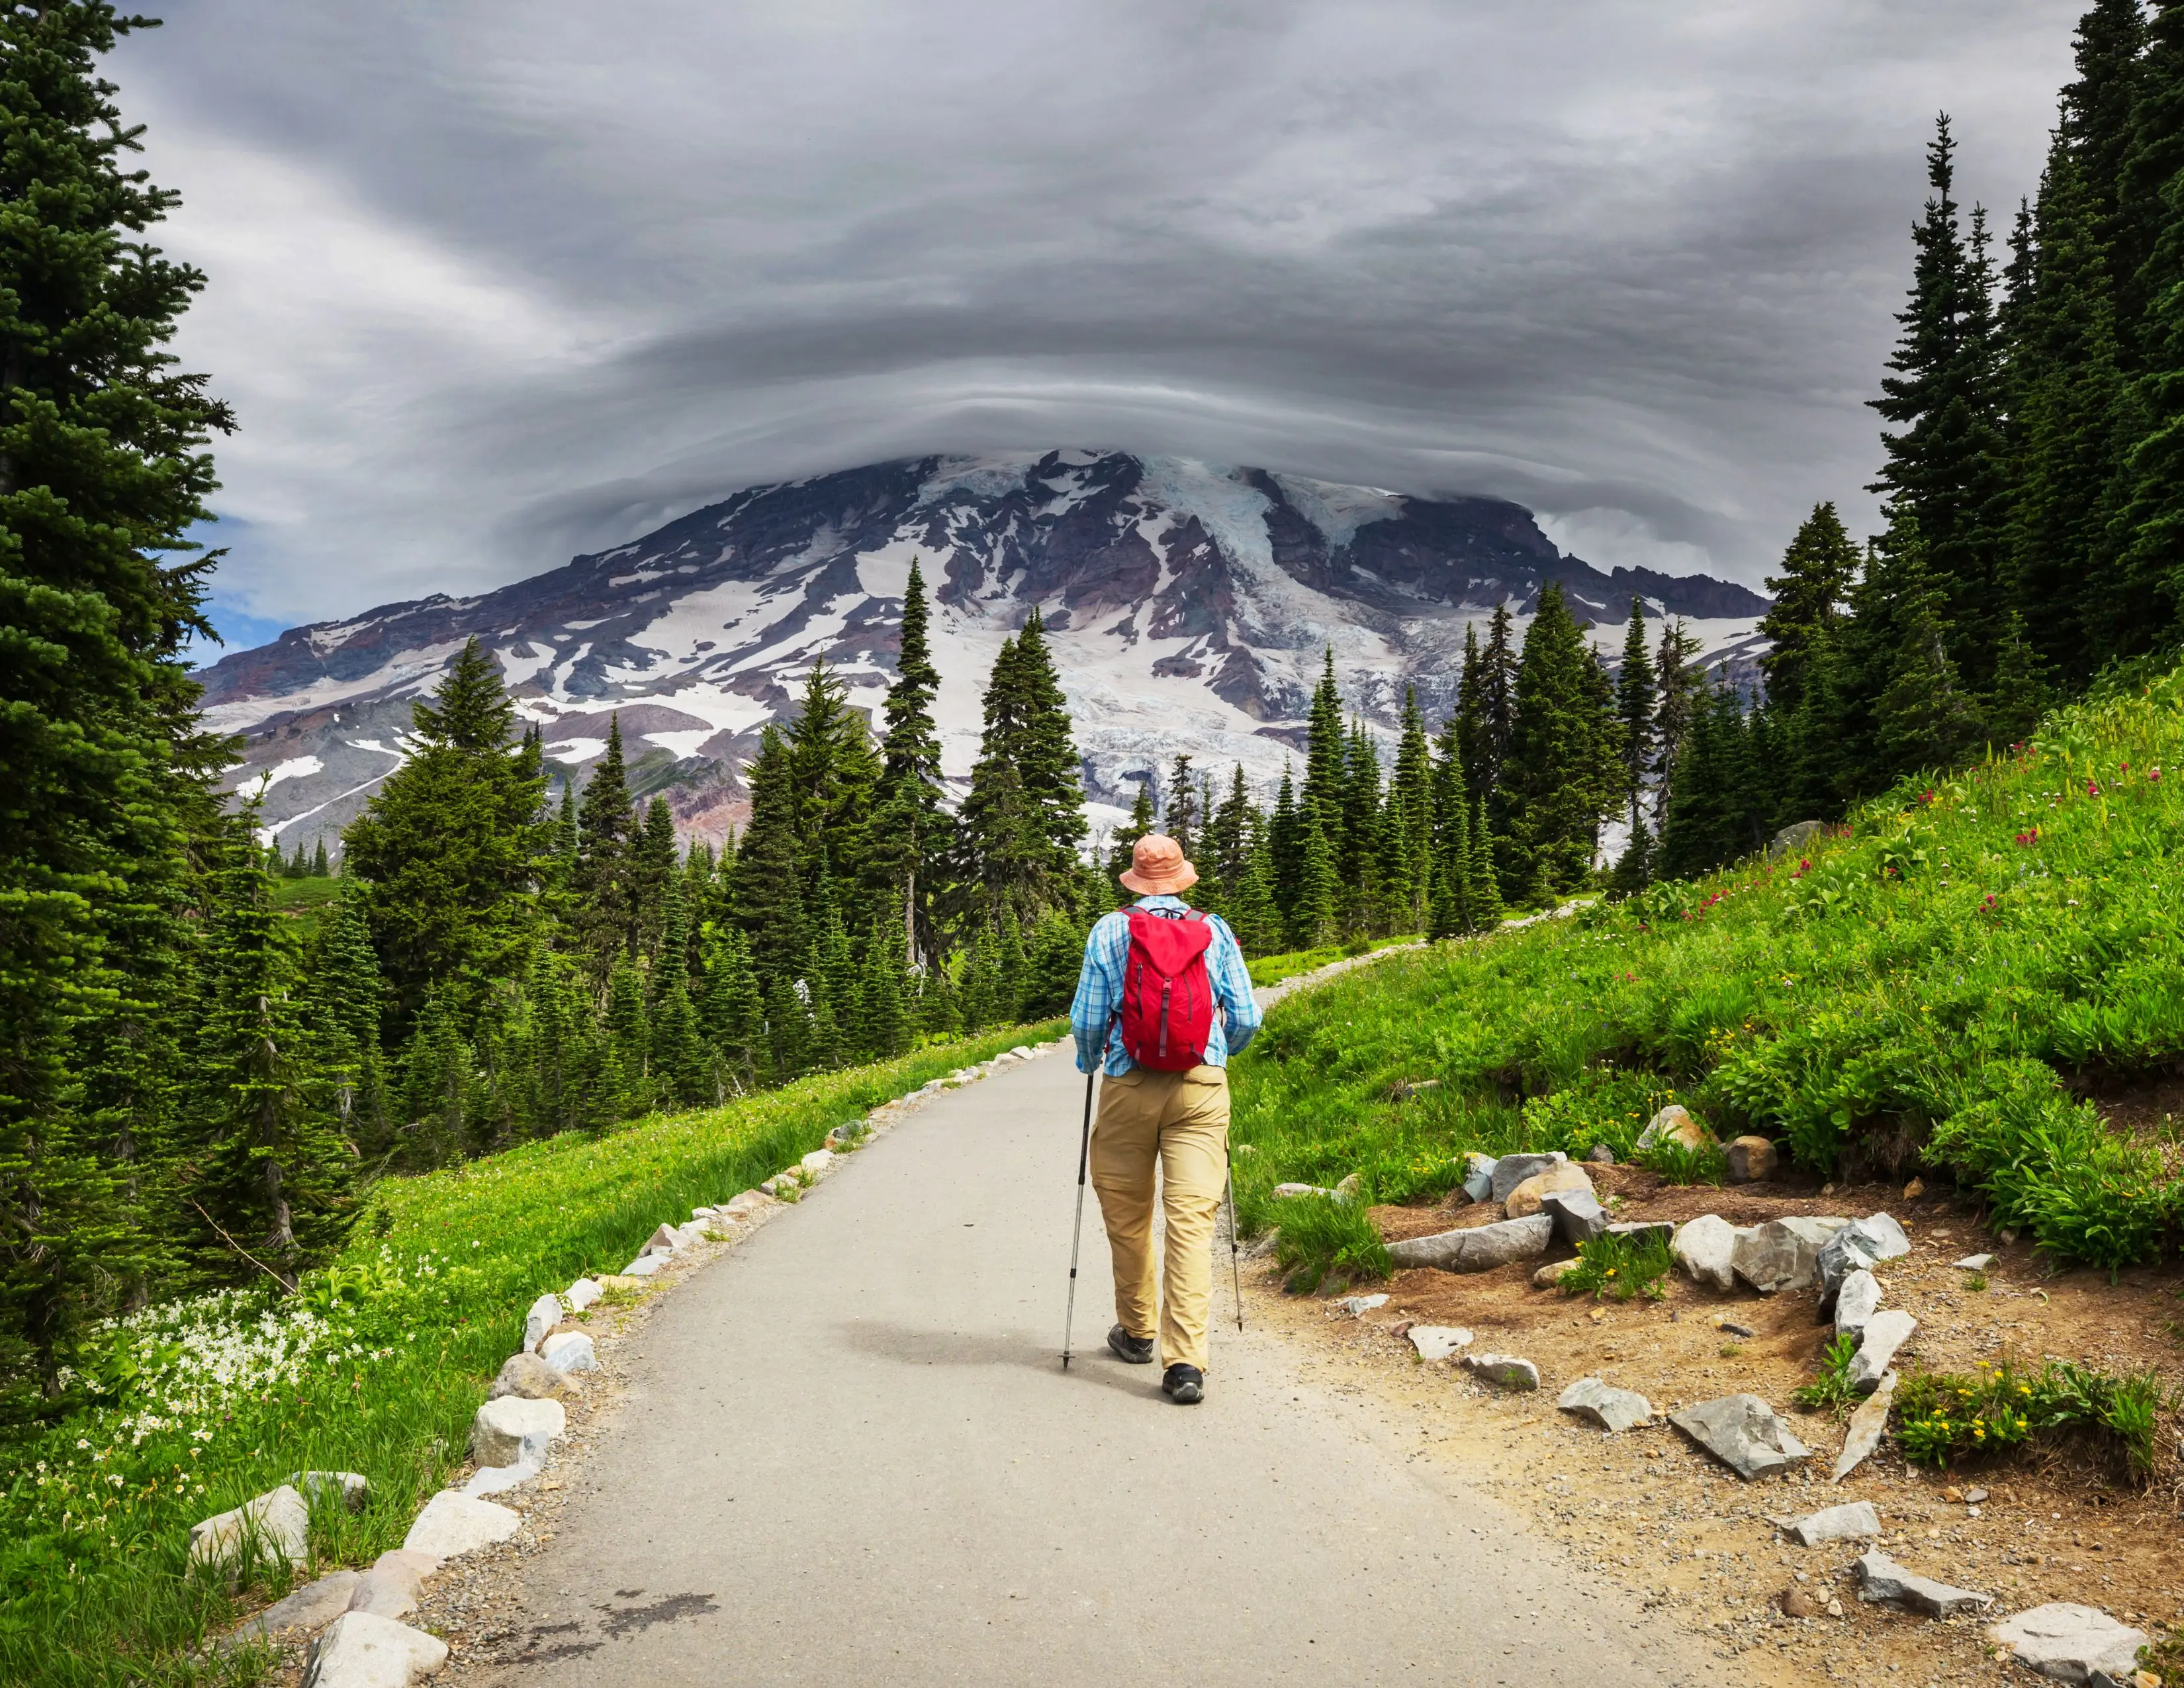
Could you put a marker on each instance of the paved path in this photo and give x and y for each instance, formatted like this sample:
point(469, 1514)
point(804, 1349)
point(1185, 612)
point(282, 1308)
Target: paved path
point(848, 1457)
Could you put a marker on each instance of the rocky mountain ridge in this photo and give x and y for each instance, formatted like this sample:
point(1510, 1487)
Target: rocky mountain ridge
point(1187, 604)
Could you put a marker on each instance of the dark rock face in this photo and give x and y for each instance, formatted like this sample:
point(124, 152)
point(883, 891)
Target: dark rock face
point(1187, 603)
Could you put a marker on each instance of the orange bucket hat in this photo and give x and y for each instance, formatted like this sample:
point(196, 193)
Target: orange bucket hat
point(1158, 867)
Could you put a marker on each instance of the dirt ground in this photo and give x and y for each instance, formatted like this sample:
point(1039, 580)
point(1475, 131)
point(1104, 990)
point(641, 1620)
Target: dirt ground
point(1678, 1530)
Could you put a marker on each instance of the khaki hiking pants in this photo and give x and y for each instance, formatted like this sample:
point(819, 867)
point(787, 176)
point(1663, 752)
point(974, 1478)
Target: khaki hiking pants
point(1178, 1121)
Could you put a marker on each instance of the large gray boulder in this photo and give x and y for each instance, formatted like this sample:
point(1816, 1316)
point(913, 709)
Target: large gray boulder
point(352, 1488)
point(360, 1650)
point(1882, 1581)
point(309, 1609)
point(1743, 1432)
point(545, 1313)
point(2071, 1643)
point(1858, 1246)
point(453, 1524)
point(1856, 1303)
point(1509, 1370)
point(1480, 1249)
point(1798, 835)
point(1867, 1426)
point(1438, 1341)
point(569, 1351)
point(582, 1294)
point(278, 1521)
point(1782, 1254)
point(1613, 1409)
point(1706, 1248)
point(1884, 1333)
point(1578, 1215)
point(1849, 1522)
point(391, 1588)
point(508, 1428)
point(1512, 1170)
point(528, 1376)
point(1477, 1176)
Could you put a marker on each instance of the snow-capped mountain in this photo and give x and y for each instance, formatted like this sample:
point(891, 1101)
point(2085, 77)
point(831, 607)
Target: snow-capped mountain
point(1187, 604)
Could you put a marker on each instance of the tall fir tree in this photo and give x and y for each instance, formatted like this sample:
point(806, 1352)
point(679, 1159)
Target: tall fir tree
point(911, 825)
point(1678, 684)
point(1562, 772)
point(1815, 572)
point(605, 902)
point(1636, 697)
point(1412, 809)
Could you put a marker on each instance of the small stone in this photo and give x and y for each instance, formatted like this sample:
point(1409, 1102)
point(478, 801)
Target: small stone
point(309, 1608)
point(582, 1294)
point(1523, 1201)
point(569, 1351)
point(1856, 1303)
point(1706, 1248)
point(360, 1650)
point(1974, 1262)
point(1614, 1409)
point(1292, 1192)
point(278, 1521)
point(1512, 1170)
point(750, 1201)
point(1438, 1341)
point(1752, 1159)
point(1867, 1425)
point(2005, 1237)
point(506, 1431)
point(1479, 1176)
point(1884, 1333)
point(453, 1524)
point(1577, 1213)
point(1914, 1189)
point(1347, 1190)
point(1835, 1607)
point(390, 1589)
point(1858, 1246)
point(1554, 1272)
point(1356, 1307)
point(1975, 1496)
point(1797, 1602)
point(1506, 1370)
point(1674, 1124)
point(527, 1376)
point(622, 1282)
point(1730, 1327)
point(1743, 1432)
point(353, 1487)
point(817, 1161)
point(665, 1240)
point(545, 1313)
point(1600, 1155)
point(1848, 1521)
point(1480, 1249)
point(1782, 1254)
point(644, 1266)
point(1882, 1581)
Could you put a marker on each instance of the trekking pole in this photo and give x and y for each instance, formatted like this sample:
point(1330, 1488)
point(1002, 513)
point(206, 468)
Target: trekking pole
point(1235, 1269)
point(1076, 1230)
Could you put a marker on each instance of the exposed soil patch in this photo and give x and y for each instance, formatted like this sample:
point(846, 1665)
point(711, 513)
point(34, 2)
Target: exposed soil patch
point(1679, 1530)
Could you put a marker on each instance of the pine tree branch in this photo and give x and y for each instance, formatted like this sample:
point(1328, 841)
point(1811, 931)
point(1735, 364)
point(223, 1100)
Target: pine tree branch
point(285, 1285)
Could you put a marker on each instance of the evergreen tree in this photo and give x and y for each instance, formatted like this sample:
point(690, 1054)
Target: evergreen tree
point(451, 846)
point(1451, 877)
point(787, 1031)
point(629, 1032)
point(652, 870)
point(1022, 819)
point(1182, 819)
point(1228, 838)
point(1678, 685)
point(348, 997)
point(1710, 810)
point(735, 1012)
point(884, 1029)
point(1285, 848)
point(1487, 723)
point(1326, 769)
point(437, 1068)
point(1816, 571)
point(1635, 696)
point(1946, 468)
point(1313, 919)
point(769, 880)
point(103, 477)
point(276, 1180)
point(911, 828)
point(1485, 896)
point(1360, 852)
point(1252, 912)
point(605, 907)
point(1562, 772)
point(1125, 841)
point(1412, 808)
point(1055, 955)
point(680, 1069)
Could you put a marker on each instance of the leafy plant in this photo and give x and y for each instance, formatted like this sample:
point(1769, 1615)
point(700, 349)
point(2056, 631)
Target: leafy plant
point(1830, 1391)
point(1678, 1162)
point(1325, 1243)
point(1949, 1418)
point(1619, 1266)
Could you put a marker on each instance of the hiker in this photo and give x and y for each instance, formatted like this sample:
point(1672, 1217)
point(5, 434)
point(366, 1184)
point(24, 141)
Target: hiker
point(1153, 975)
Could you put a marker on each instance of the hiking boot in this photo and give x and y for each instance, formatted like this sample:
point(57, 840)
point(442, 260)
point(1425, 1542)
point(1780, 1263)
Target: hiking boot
point(1185, 1385)
point(1137, 1350)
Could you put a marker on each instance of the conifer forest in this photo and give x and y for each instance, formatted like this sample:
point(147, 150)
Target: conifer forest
point(196, 1089)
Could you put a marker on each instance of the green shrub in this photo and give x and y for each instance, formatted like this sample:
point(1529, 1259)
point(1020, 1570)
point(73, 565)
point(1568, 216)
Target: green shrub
point(1619, 1266)
point(1325, 1244)
point(1679, 1163)
point(1943, 1418)
point(1830, 1390)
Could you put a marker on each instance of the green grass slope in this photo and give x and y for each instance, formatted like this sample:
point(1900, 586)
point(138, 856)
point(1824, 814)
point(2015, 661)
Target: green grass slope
point(377, 1366)
point(1939, 982)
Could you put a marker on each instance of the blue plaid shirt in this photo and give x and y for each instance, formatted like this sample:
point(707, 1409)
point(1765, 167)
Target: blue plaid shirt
point(1100, 990)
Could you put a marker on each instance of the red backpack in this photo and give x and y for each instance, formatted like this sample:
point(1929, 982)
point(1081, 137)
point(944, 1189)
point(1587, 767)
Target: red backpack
point(1167, 1013)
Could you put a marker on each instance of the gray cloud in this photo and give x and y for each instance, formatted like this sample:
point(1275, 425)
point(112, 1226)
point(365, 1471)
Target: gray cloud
point(493, 283)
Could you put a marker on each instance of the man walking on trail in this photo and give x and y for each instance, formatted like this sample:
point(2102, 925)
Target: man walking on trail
point(1153, 975)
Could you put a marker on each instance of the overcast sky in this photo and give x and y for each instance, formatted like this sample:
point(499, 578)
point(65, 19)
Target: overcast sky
point(492, 284)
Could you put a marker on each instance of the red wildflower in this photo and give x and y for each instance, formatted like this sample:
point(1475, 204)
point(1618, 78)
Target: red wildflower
point(2093, 787)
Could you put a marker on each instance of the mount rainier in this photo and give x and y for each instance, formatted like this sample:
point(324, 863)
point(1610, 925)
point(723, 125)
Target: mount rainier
point(1187, 604)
